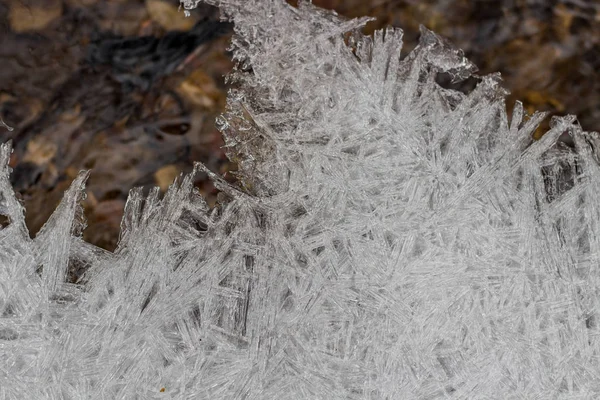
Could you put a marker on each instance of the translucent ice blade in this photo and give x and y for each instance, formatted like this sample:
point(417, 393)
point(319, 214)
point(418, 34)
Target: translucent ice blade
point(53, 241)
point(9, 205)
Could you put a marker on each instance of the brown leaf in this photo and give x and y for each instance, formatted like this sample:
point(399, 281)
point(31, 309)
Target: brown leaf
point(123, 18)
point(72, 114)
point(564, 19)
point(200, 89)
point(24, 18)
point(40, 151)
point(165, 176)
point(168, 16)
point(110, 211)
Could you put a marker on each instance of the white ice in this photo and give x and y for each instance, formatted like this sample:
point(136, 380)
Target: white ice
point(389, 238)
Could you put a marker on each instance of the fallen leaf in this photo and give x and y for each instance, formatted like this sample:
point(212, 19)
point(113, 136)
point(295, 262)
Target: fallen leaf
point(49, 176)
point(123, 18)
point(168, 16)
point(40, 151)
point(110, 211)
point(72, 114)
point(72, 172)
point(564, 19)
point(147, 28)
point(6, 97)
point(539, 99)
point(165, 176)
point(24, 18)
point(36, 108)
point(200, 89)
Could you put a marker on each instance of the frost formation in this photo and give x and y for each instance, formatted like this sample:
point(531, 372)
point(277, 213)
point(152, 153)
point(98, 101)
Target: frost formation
point(389, 239)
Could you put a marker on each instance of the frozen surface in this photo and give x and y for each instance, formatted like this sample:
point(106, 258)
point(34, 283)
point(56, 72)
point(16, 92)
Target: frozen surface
point(389, 239)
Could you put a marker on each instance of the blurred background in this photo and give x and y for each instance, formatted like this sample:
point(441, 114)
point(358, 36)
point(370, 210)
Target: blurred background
point(130, 88)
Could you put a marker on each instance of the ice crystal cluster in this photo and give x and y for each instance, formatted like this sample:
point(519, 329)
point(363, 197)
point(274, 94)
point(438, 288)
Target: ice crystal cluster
point(389, 238)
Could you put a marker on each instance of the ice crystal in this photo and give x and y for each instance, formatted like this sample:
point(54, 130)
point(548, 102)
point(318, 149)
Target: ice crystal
point(389, 238)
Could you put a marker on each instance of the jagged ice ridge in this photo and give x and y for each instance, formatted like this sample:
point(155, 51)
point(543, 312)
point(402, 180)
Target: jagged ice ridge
point(389, 238)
